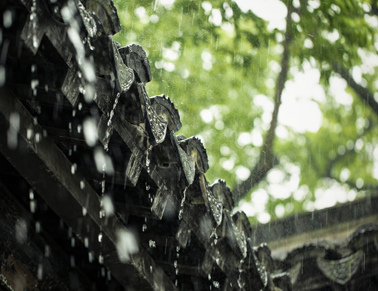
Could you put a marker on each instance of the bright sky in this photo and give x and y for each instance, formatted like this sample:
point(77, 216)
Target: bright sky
point(273, 11)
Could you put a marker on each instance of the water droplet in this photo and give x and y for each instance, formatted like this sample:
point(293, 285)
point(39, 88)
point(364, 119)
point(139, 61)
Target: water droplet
point(37, 227)
point(182, 204)
point(73, 169)
point(107, 205)
point(33, 205)
point(40, 272)
point(90, 257)
point(31, 194)
point(7, 18)
point(126, 245)
point(89, 22)
point(152, 244)
point(29, 133)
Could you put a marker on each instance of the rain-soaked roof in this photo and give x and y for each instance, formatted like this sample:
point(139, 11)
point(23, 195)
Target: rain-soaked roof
point(99, 193)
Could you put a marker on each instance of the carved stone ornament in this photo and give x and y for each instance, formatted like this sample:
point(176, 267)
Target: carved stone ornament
point(341, 271)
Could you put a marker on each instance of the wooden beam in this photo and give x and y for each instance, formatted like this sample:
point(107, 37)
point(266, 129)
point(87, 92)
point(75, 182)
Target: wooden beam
point(48, 171)
point(31, 261)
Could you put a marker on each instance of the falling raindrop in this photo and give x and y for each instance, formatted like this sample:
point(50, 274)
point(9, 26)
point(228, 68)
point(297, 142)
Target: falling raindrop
point(90, 131)
point(215, 236)
point(90, 257)
point(33, 84)
point(109, 127)
point(7, 18)
point(37, 227)
point(29, 133)
point(73, 169)
point(182, 204)
point(152, 244)
point(148, 161)
point(241, 281)
point(33, 19)
point(40, 272)
point(31, 194)
point(37, 137)
point(33, 205)
point(107, 205)
point(126, 245)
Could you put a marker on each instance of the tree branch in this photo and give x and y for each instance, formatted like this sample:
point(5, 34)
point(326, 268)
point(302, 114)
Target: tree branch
point(363, 93)
point(338, 157)
point(267, 159)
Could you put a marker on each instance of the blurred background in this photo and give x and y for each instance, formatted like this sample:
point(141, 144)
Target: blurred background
point(283, 94)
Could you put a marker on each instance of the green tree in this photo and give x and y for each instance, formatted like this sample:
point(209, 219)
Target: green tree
point(229, 72)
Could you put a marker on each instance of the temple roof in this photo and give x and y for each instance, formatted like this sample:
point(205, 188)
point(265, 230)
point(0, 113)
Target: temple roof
point(100, 192)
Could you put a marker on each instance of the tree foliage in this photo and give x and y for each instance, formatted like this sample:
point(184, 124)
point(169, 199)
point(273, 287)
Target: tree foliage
point(229, 72)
